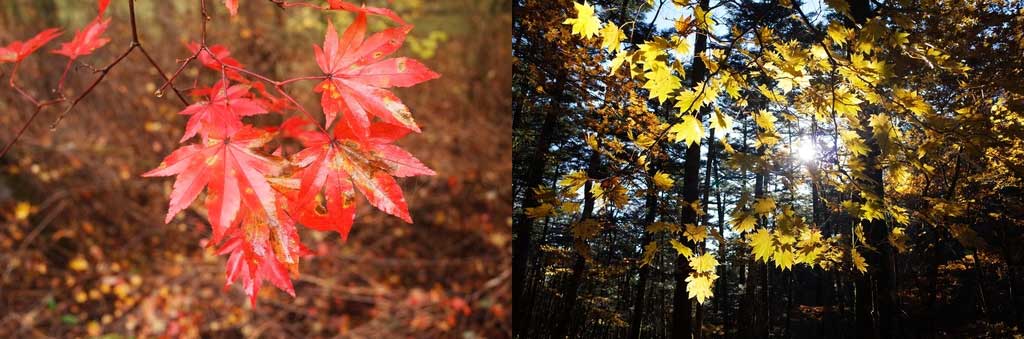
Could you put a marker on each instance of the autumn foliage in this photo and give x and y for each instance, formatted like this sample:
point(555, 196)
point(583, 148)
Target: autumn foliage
point(256, 194)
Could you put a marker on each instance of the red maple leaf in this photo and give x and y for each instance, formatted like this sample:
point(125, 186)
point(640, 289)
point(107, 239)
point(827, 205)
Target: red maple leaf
point(337, 165)
point(222, 113)
point(358, 76)
point(102, 6)
point(260, 250)
point(232, 6)
point(86, 40)
point(348, 6)
point(220, 56)
point(17, 51)
point(234, 174)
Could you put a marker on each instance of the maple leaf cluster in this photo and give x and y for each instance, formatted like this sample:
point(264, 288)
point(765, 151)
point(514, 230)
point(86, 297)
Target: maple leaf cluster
point(255, 195)
point(86, 41)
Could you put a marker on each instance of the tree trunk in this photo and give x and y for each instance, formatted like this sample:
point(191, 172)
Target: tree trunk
point(571, 293)
point(682, 307)
point(523, 226)
point(641, 286)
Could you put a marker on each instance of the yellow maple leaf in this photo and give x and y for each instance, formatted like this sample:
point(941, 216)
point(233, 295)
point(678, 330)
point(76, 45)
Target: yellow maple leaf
point(784, 259)
point(721, 122)
point(703, 19)
point(703, 263)
point(743, 223)
point(620, 58)
point(761, 241)
point(661, 226)
point(858, 261)
point(764, 206)
point(837, 33)
point(660, 82)
point(573, 181)
point(872, 210)
point(898, 239)
point(690, 100)
point(663, 180)
point(649, 251)
point(695, 234)
point(690, 131)
point(544, 210)
point(611, 37)
point(765, 120)
point(681, 248)
point(854, 143)
point(699, 286)
point(586, 24)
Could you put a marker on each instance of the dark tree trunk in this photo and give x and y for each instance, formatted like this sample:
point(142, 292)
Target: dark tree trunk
point(875, 293)
point(523, 226)
point(568, 319)
point(682, 306)
point(641, 286)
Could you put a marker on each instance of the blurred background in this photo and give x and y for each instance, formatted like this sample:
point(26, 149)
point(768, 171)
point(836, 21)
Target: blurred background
point(84, 251)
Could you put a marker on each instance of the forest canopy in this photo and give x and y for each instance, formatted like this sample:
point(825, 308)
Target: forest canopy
point(754, 169)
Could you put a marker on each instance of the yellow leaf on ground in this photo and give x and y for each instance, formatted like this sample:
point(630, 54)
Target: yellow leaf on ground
point(78, 264)
point(22, 210)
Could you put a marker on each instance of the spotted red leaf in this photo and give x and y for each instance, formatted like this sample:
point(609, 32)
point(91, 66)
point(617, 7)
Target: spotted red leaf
point(337, 165)
point(17, 51)
point(233, 173)
point(359, 76)
point(262, 251)
point(86, 40)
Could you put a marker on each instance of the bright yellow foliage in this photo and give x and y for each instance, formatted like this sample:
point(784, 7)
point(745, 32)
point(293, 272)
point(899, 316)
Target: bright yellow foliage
point(721, 122)
point(663, 181)
point(660, 81)
point(764, 206)
point(761, 241)
point(681, 248)
point(695, 234)
point(699, 286)
point(858, 261)
point(611, 37)
point(573, 181)
point(586, 24)
point(690, 131)
point(743, 223)
point(704, 263)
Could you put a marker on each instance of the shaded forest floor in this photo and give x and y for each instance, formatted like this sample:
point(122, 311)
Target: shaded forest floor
point(84, 251)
